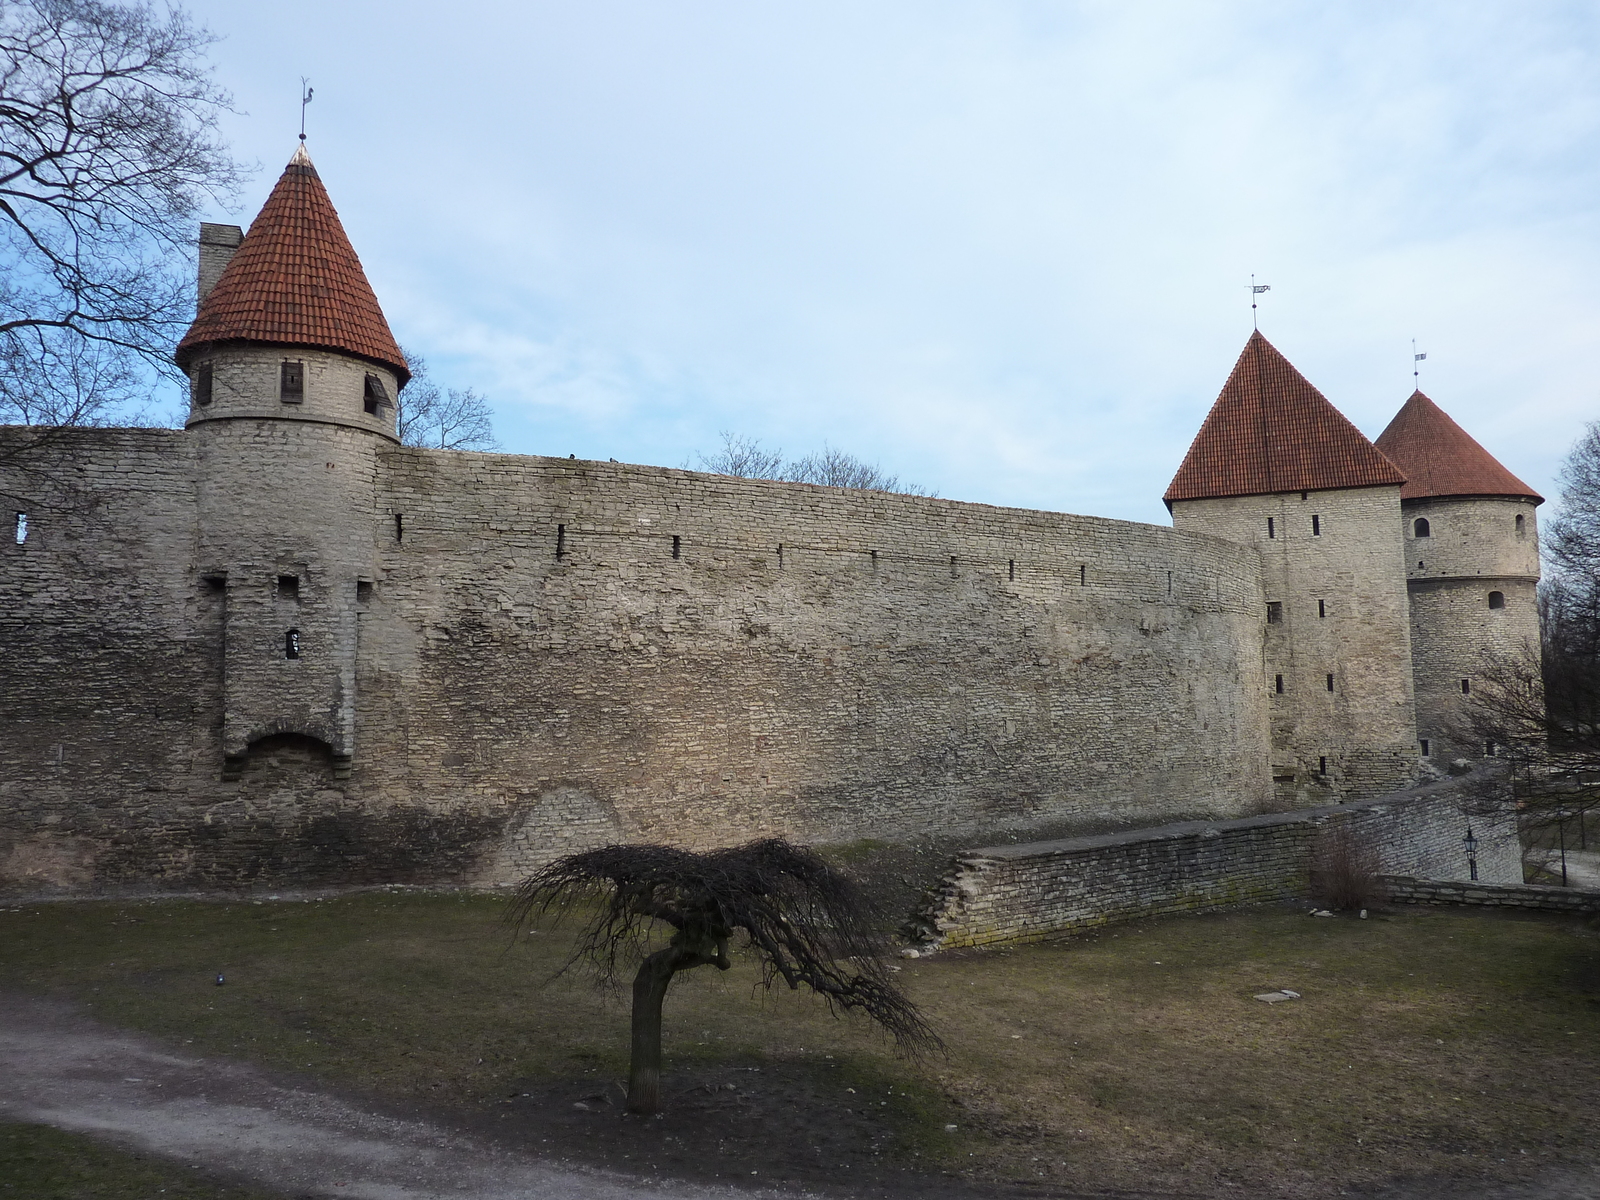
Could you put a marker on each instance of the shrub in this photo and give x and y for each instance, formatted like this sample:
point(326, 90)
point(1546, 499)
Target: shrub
point(1344, 870)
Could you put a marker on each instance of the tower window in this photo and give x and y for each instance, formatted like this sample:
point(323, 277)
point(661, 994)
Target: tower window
point(561, 542)
point(677, 546)
point(1274, 612)
point(1322, 764)
point(1322, 608)
point(1083, 575)
point(373, 398)
point(1011, 570)
point(22, 527)
point(1497, 599)
point(1316, 525)
point(1426, 749)
point(1420, 528)
point(291, 644)
point(363, 591)
point(1272, 528)
point(292, 382)
point(1277, 684)
point(1522, 524)
point(202, 384)
point(1466, 687)
point(1330, 678)
point(955, 571)
point(288, 587)
point(399, 526)
point(1491, 749)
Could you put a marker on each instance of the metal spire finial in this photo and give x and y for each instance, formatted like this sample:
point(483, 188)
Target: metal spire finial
point(305, 99)
point(1255, 290)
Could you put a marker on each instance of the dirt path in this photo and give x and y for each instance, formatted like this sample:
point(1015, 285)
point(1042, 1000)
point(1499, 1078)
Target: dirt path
point(64, 1070)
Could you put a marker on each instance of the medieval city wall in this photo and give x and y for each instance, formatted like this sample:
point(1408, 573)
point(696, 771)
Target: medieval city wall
point(615, 652)
point(1476, 553)
point(532, 668)
point(1337, 671)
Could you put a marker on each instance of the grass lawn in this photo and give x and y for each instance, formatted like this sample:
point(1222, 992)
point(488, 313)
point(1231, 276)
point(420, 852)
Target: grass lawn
point(39, 1163)
point(1427, 1042)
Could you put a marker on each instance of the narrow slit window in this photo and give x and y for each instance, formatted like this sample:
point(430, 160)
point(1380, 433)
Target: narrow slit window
point(874, 554)
point(954, 571)
point(292, 382)
point(363, 591)
point(373, 398)
point(1274, 612)
point(1316, 525)
point(1322, 608)
point(1522, 524)
point(291, 644)
point(1466, 687)
point(1083, 575)
point(1277, 684)
point(202, 384)
point(399, 526)
point(677, 546)
point(1426, 748)
point(1169, 583)
point(561, 542)
point(1497, 599)
point(1322, 760)
point(22, 528)
point(1272, 527)
point(1011, 570)
point(288, 587)
point(1421, 528)
point(1491, 749)
point(1330, 673)
point(780, 556)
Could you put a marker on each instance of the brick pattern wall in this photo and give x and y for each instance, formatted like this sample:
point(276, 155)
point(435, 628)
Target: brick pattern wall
point(1037, 891)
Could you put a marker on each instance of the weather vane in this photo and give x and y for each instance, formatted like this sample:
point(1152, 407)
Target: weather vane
point(305, 99)
point(1255, 290)
point(1416, 375)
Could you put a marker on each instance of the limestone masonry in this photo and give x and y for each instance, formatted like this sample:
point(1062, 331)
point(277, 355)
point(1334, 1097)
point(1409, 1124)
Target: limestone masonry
point(278, 646)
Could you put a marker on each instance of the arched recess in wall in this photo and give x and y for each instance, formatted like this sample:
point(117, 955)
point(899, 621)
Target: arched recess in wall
point(1421, 528)
point(296, 752)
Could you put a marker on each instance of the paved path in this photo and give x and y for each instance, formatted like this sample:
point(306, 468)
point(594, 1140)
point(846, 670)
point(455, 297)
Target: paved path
point(65, 1070)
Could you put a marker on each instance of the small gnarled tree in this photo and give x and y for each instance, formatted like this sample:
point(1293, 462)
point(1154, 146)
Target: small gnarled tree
point(805, 922)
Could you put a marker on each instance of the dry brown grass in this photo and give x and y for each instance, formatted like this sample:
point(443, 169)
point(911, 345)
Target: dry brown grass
point(1428, 1042)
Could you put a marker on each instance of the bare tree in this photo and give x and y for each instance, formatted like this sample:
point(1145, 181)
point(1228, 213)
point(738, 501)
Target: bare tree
point(806, 923)
point(108, 150)
point(1540, 706)
point(442, 419)
point(743, 456)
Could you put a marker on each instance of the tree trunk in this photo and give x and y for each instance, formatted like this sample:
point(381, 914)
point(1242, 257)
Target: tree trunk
point(649, 990)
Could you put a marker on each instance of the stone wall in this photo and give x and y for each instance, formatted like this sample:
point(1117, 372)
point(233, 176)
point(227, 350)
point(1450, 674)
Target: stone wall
point(1031, 892)
point(1337, 671)
point(1475, 547)
point(1492, 895)
point(505, 658)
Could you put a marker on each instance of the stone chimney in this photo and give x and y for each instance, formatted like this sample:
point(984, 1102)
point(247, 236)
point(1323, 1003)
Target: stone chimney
point(217, 245)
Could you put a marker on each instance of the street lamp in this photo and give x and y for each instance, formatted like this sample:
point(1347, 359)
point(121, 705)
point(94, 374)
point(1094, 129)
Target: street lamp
point(1471, 843)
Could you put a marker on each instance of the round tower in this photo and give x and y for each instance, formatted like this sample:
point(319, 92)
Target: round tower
point(294, 376)
point(1472, 570)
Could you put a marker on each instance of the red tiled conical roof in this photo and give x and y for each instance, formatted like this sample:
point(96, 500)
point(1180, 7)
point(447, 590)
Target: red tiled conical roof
point(296, 281)
point(1271, 431)
point(1441, 459)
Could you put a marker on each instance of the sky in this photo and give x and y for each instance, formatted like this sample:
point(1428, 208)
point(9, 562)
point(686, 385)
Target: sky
point(1002, 249)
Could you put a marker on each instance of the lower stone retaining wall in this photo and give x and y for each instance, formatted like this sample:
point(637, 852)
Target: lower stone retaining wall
point(1040, 890)
point(1495, 895)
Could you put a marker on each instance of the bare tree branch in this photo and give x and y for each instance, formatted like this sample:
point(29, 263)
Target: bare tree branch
point(108, 151)
point(743, 456)
point(442, 420)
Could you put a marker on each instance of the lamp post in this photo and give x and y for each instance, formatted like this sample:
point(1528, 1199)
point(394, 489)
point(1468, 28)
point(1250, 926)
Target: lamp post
point(1471, 843)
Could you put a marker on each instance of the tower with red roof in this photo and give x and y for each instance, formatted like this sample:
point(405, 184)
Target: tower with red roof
point(294, 377)
point(1472, 568)
point(1276, 467)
